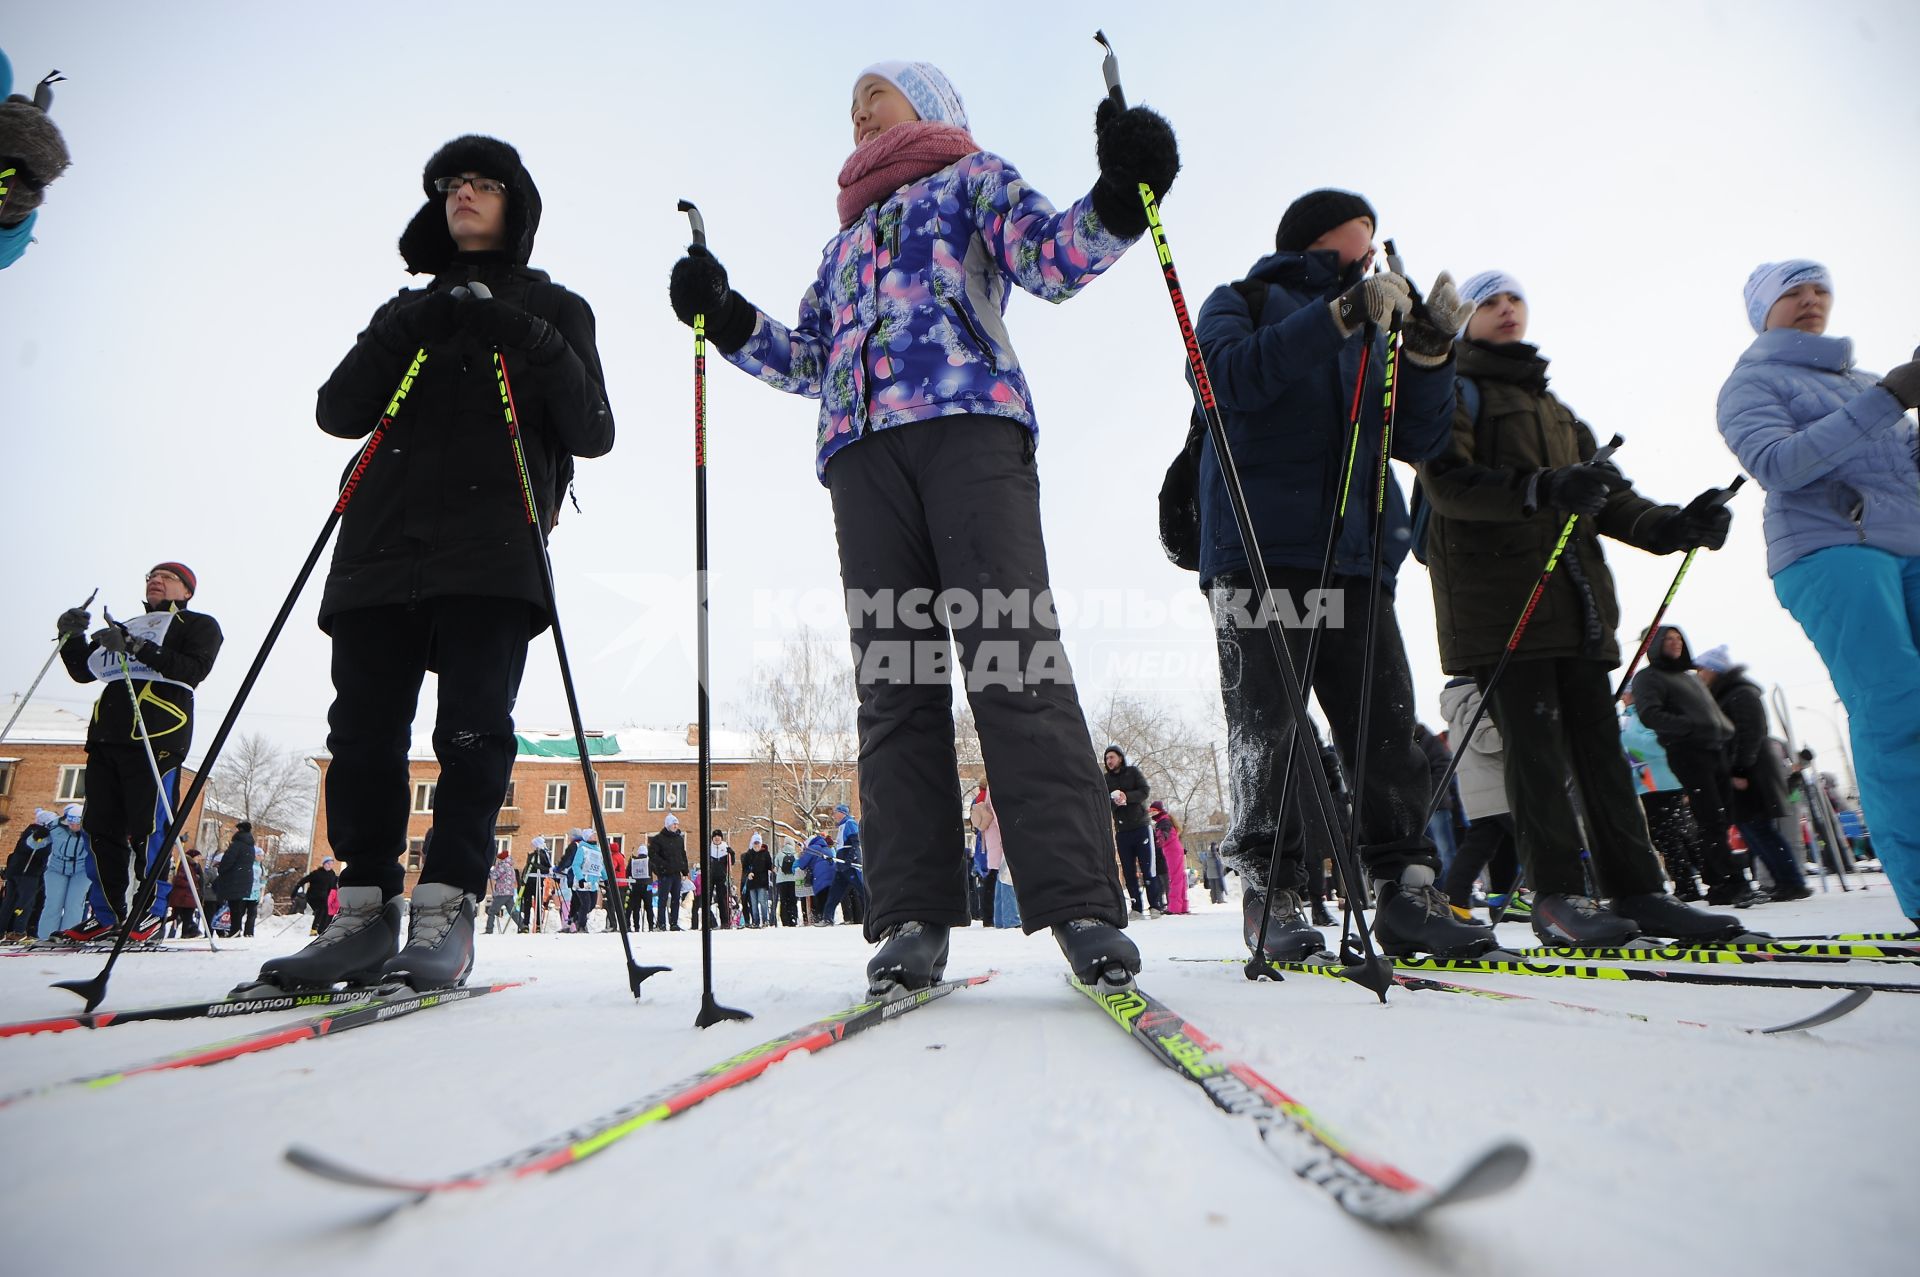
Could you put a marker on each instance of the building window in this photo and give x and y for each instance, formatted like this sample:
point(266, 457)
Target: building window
point(558, 792)
point(416, 848)
point(6, 778)
point(508, 800)
point(73, 785)
point(423, 797)
point(656, 795)
point(502, 844)
point(677, 795)
point(613, 796)
point(718, 790)
point(209, 834)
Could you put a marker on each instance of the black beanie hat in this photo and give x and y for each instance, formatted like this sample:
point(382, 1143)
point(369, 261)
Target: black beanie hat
point(427, 245)
point(1316, 213)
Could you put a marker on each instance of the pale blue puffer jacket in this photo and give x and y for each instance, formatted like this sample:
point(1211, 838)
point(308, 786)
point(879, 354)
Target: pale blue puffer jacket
point(1833, 450)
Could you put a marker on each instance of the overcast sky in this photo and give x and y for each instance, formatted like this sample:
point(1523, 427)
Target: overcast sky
point(242, 171)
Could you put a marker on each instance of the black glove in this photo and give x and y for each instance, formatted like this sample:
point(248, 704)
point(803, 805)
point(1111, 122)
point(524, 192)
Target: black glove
point(1581, 489)
point(112, 638)
point(1701, 525)
point(431, 319)
point(73, 621)
point(505, 326)
point(1134, 145)
point(144, 651)
point(699, 287)
point(1903, 383)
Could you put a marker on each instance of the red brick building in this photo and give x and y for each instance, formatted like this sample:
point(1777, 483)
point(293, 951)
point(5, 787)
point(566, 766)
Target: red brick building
point(643, 773)
point(43, 763)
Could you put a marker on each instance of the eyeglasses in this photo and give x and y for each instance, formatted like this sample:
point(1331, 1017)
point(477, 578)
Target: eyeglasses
point(164, 576)
point(481, 185)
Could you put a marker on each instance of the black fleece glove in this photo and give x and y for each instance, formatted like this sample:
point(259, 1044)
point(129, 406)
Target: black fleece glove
point(699, 287)
point(422, 323)
point(1134, 145)
point(72, 621)
point(1581, 489)
point(1903, 383)
point(1701, 525)
point(504, 326)
point(113, 638)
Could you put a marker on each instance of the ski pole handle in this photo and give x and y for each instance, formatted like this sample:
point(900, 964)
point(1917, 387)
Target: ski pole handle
point(1606, 454)
point(1110, 70)
point(1726, 493)
point(699, 224)
point(474, 289)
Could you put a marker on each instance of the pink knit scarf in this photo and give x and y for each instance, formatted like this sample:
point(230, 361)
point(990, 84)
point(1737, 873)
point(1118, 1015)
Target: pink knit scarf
point(904, 153)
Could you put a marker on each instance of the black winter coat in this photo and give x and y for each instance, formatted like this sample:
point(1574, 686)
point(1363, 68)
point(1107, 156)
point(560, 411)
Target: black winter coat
point(1128, 779)
point(756, 868)
point(667, 853)
point(28, 861)
point(319, 884)
point(184, 654)
point(1741, 700)
point(234, 879)
point(439, 509)
point(1673, 701)
point(1488, 539)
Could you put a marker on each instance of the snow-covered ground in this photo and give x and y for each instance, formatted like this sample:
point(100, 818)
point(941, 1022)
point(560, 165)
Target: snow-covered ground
point(1011, 1124)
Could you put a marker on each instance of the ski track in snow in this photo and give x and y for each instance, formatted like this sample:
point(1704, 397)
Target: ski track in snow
point(1008, 1122)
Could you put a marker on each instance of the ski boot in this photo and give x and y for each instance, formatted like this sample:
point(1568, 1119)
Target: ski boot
point(439, 948)
point(1321, 918)
point(364, 934)
point(912, 956)
point(1412, 916)
point(1288, 937)
point(1658, 914)
point(87, 932)
point(1579, 921)
point(1098, 952)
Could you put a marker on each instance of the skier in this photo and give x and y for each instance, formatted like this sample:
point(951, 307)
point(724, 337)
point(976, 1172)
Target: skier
point(502, 884)
point(926, 445)
point(1283, 348)
point(1836, 451)
point(584, 868)
point(1132, 834)
point(640, 898)
point(32, 154)
point(1481, 781)
point(1172, 855)
point(1758, 779)
point(233, 876)
point(668, 853)
point(320, 884)
point(532, 890)
point(1517, 464)
point(816, 866)
point(1695, 734)
point(786, 885)
point(65, 875)
point(756, 882)
point(26, 878)
point(433, 568)
point(162, 655)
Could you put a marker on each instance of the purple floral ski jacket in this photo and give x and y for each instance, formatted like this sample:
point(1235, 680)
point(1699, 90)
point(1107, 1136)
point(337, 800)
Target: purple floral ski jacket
point(904, 321)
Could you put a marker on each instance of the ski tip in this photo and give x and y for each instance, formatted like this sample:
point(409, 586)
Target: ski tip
point(1496, 1169)
point(319, 1164)
point(1847, 1005)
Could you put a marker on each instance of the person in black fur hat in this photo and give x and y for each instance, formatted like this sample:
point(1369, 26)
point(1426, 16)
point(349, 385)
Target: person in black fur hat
point(434, 569)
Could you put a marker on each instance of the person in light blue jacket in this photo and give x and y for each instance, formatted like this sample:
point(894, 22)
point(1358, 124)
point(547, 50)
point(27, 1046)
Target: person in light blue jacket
point(66, 876)
point(1840, 461)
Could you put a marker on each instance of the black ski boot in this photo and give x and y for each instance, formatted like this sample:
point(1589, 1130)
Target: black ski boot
point(1658, 914)
point(354, 950)
point(439, 949)
point(1412, 916)
point(1580, 921)
point(1098, 952)
point(912, 956)
point(1288, 938)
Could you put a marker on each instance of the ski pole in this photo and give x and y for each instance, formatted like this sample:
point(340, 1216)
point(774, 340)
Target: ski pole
point(1371, 973)
point(1513, 641)
point(536, 529)
point(165, 851)
point(1646, 641)
point(711, 1011)
point(96, 989)
point(47, 665)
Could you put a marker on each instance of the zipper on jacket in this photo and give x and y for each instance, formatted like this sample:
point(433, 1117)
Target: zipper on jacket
point(979, 342)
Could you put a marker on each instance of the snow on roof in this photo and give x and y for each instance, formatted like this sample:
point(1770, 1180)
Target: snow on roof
point(629, 744)
point(43, 724)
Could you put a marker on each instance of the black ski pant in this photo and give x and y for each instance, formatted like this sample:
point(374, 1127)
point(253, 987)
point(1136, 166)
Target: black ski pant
point(20, 905)
point(1260, 731)
point(938, 524)
point(1670, 821)
point(1763, 840)
point(478, 647)
point(1557, 719)
point(789, 905)
point(639, 906)
point(1489, 845)
point(668, 916)
point(241, 914)
point(1708, 780)
point(1141, 867)
point(123, 813)
point(581, 910)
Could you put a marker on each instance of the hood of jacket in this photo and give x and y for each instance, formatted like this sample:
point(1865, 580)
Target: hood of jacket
point(1657, 652)
point(427, 245)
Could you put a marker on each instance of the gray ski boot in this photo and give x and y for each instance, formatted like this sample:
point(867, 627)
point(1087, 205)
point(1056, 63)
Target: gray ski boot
point(439, 948)
point(353, 950)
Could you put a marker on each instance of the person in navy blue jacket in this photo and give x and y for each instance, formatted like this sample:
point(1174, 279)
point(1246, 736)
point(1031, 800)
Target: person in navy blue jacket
point(1284, 348)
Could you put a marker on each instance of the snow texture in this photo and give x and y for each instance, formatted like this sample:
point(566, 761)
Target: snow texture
point(1008, 1122)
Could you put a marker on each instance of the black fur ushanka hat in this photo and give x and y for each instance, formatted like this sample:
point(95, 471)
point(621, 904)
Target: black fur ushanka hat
point(427, 246)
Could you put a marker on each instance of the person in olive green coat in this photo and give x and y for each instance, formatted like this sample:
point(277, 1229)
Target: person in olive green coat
point(1518, 465)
